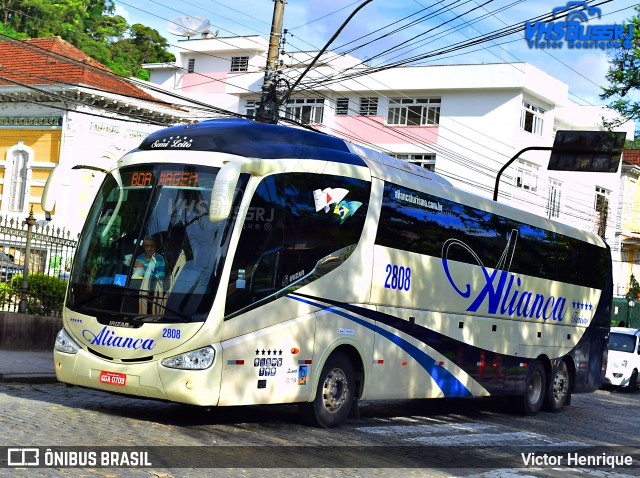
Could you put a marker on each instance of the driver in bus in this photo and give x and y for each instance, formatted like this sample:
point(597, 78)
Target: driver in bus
point(150, 262)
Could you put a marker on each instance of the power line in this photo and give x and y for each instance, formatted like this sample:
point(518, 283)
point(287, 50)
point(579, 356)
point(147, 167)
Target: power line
point(324, 16)
point(509, 30)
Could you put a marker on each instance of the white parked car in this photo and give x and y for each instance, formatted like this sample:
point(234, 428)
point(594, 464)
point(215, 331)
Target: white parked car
point(624, 358)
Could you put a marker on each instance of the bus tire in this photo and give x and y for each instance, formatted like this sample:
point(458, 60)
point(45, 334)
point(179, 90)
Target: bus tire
point(534, 390)
point(335, 394)
point(558, 388)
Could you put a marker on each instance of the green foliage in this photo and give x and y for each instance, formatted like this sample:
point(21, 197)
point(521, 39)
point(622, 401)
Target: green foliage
point(624, 74)
point(634, 289)
point(10, 31)
point(45, 295)
point(5, 294)
point(90, 26)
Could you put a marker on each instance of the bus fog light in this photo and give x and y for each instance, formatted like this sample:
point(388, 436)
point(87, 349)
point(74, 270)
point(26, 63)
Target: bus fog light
point(64, 343)
point(194, 360)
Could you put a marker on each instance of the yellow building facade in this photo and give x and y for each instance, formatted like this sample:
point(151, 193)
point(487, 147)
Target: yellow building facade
point(630, 221)
point(29, 150)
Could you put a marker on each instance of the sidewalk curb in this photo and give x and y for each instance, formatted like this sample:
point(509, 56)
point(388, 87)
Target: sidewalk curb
point(28, 378)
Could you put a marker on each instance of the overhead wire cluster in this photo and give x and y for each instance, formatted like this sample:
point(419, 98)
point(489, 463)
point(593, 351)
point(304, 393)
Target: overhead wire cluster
point(322, 81)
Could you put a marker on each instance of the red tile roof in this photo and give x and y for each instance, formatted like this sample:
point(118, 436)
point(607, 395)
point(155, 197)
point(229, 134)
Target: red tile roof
point(631, 156)
point(49, 61)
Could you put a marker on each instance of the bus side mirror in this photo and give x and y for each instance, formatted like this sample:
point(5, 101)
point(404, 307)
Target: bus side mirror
point(223, 189)
point(54, 183)
point(227, 180)
point(52, 188)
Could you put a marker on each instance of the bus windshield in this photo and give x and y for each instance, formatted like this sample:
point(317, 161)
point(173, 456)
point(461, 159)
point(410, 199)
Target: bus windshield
point(149, 251)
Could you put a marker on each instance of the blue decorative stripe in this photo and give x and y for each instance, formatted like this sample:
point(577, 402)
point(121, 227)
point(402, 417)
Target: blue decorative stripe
point(450, 385)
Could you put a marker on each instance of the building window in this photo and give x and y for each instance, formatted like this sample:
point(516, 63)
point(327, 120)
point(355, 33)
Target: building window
point(239, 63)
point(413, 111)
point(531, 118)
point(368, 106)
point(251, 108)
point(191, 66)
point(553, 201)
point(602, 199)
point(426, 161)
point(342, 106)
point(305, 110)
point(630, 190)
point(526, 175)
point(18, 181)
point(601, 207)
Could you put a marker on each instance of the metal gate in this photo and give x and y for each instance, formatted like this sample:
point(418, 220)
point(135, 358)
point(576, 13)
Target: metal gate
point(49, 252)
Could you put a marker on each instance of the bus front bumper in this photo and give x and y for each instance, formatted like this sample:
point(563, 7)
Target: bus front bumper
point(149, 379)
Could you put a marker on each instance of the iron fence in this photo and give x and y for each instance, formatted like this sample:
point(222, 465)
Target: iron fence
point(49, 252)
point(625, 311)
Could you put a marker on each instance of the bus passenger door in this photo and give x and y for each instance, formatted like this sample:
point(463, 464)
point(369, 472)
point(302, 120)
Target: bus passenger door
point(267, 354)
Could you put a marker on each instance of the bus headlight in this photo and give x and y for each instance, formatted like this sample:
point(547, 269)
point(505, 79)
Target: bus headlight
point(194, 360)
point(64, 343)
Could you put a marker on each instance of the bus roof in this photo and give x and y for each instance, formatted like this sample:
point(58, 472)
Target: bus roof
point(247, 138)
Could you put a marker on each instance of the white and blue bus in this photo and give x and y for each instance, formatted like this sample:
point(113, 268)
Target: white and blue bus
point(288, 266)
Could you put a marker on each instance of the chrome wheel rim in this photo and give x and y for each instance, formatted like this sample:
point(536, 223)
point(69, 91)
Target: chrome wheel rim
point(334, 390)
point(535, 388)
point(560, 385)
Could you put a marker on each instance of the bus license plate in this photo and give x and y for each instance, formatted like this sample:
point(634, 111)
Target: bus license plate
point(113, 378)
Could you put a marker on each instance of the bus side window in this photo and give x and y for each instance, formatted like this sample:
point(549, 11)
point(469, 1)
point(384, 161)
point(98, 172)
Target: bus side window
point(285, 234)
point(264, 280)
point(254, 272)
point(311, 234)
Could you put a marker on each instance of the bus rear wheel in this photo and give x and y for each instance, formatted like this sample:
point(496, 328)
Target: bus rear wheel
point(334, 396)
point(534, 390)
point(558, 389)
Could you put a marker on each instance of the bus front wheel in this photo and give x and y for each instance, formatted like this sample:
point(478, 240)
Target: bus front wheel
point(558, 389)
point(534, 390)
point(334, 396)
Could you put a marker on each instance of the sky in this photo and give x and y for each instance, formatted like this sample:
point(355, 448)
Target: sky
point(436, 25)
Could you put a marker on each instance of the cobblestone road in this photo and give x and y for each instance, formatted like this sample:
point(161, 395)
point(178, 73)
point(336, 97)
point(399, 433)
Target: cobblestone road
point(53, 415)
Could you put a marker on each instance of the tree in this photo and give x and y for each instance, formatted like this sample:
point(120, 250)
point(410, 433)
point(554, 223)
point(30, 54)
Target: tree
point(624, 73)
point(634, 289)
point(143, 45)
point(91, 26)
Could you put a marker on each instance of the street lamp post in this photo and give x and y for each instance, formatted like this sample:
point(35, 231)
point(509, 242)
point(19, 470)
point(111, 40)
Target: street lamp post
point(30, 221)
point(631, 304)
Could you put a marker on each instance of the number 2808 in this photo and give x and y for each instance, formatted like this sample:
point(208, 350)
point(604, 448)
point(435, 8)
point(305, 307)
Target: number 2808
point(171, 333)
point(398, 277)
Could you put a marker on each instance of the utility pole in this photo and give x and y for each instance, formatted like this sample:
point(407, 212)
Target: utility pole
point(267, 111)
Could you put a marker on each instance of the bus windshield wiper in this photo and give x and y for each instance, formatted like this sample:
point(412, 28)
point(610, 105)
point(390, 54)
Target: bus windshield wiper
point(155, 302)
